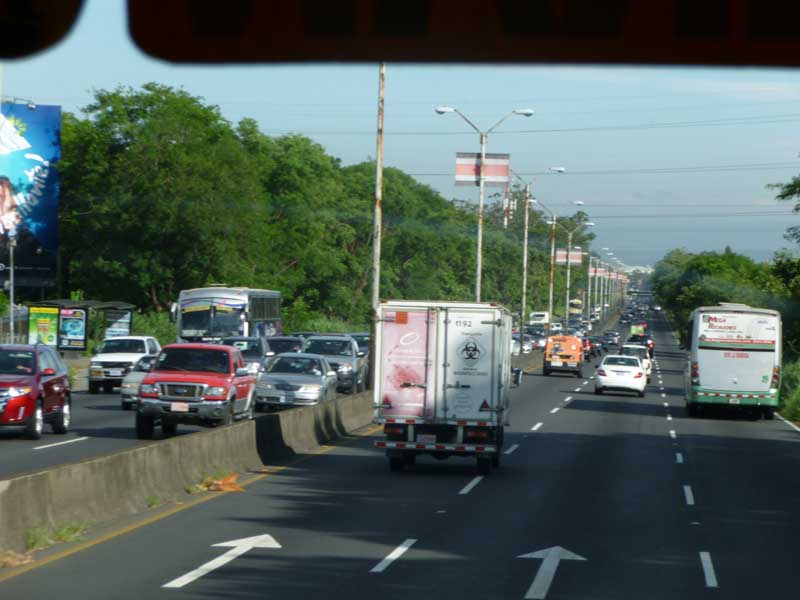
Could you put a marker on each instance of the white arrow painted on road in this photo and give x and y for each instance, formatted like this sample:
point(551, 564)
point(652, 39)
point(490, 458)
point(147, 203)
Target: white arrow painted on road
point(550, 559)
point(237, 548)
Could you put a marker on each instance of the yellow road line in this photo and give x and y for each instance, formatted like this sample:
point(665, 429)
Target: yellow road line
point(17, 571)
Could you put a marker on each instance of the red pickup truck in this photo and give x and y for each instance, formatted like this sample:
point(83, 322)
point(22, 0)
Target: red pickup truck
point(198, 384)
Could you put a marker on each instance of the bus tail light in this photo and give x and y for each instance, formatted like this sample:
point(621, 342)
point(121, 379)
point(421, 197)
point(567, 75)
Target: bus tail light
point(695, 374)
point(776, 376)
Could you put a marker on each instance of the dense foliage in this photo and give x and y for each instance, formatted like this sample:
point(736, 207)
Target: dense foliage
point(161, 193)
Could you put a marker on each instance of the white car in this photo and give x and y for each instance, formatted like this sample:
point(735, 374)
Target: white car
point(116, 357)
point(640, 352)
point(619, 372)
point(556, 328)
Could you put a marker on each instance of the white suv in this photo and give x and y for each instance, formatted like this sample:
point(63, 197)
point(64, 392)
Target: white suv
point(115, 357)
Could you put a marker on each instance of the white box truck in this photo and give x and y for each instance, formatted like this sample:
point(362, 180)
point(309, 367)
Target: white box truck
point(443, 380)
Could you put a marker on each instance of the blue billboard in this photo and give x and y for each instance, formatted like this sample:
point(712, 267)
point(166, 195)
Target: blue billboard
point(30, 150)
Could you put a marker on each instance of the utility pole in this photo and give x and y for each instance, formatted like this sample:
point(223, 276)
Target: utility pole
point(569, 263)
point(377, 223)
point(527, 206)
point(589, 295)
point(552, 275)
point(12, 243)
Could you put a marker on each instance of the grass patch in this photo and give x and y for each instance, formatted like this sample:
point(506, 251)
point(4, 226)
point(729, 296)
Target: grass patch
point(41, 537)
point(152, 502)
point(38, 538)
point(71, 532)
point(790, 391)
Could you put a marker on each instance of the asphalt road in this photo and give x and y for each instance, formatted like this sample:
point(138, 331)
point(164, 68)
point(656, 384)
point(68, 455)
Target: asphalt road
point(99, 426)
point(656, 504)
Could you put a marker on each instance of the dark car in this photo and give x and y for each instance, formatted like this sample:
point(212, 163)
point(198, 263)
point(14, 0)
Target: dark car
point(362, 339)
point(598, 344)
point(303, 334)
point(278, 344)
point(254, 349)
point(34, 390)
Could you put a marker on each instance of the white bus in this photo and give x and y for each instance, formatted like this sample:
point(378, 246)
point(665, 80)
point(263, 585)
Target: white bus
point(212, 313)
point(539, 318)
point(735, 358)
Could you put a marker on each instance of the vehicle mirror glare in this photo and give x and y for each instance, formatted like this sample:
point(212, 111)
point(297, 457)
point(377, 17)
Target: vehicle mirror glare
point(332, 374)
point(242, 372)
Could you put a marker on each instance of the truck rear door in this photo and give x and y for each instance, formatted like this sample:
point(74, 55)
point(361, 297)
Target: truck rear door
point(407, 370)
point(470, 373)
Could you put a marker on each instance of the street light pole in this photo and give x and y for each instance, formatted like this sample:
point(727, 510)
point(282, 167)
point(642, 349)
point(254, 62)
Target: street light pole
point(12, 243)
point(525, 250)
point(377, 226)
point(589, 294)
point(526, 112)
point(569, 263)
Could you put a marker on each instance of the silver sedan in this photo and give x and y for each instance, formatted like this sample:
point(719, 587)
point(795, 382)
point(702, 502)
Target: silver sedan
point(295, 379)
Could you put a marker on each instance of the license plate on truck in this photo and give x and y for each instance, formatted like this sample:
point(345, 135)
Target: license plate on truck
point(179, 407)
point(555, 363)
point(733, 401)
point(115, 373)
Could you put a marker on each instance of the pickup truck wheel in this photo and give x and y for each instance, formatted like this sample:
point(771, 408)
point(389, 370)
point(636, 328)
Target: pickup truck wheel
point(395, 463)
point(169, 428)
point(484, 465)
point(62, 421)
point(94, 387)
point(145, 425)
point(35, 426)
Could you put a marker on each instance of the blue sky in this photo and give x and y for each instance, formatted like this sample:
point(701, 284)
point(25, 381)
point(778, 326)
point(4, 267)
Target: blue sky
point(661, 157)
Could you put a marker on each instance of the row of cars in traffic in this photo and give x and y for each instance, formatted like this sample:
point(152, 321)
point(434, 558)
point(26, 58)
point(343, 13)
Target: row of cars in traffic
point(216, 383)
point(198, 383)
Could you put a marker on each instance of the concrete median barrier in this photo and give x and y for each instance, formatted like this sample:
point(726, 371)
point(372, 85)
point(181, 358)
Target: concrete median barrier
point(104, 488)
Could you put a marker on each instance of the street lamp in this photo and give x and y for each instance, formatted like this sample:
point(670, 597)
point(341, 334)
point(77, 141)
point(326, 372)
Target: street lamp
point(570, 233)
point(12, 243)
point(528, 200)
point(552, 223)
point(525, 112)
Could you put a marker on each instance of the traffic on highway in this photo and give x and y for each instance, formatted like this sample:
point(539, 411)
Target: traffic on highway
point(454, 300)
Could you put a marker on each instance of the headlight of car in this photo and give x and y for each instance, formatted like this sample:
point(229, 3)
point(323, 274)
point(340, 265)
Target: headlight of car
point(13, 392)
point(148, 388)
point(264, 385)
point(216, 391)
point(311, 387)
point(345, 368)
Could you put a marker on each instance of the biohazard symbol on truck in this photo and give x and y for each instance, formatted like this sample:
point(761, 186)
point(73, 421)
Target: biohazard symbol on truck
point(470, 350)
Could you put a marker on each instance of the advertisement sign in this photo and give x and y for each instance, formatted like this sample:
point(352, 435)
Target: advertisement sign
point(72, 329)
point(751, 331)
point(43, 325)
point(30, 149)
point(495, 171)
point(118, 322)
point(408, 340)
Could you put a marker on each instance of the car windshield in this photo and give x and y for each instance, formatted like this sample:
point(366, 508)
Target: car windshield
point(193, 359)
point(330, 347)
point(281, 346)
point(17, 362)
point(362, 339)
point(620, 361)
point(122, 345)
point(250, 348)
point(296, 365)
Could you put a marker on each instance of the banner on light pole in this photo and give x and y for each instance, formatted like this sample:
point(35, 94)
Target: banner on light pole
point(575, 257)
point(496, 170)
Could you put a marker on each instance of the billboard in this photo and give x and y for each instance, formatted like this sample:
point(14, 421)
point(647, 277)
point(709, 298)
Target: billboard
point(495, 171)
point(72, 329)
point(43, 325)
point(30, 150)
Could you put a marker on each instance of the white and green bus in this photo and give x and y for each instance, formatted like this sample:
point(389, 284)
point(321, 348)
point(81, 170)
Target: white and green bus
point(735, 359)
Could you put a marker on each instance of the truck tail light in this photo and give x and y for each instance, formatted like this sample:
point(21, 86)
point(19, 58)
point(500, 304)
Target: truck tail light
point(394, 430)
point(477, 434)
point(776, 376)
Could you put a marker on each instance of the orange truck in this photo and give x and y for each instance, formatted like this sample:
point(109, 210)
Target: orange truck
point(563, 353)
